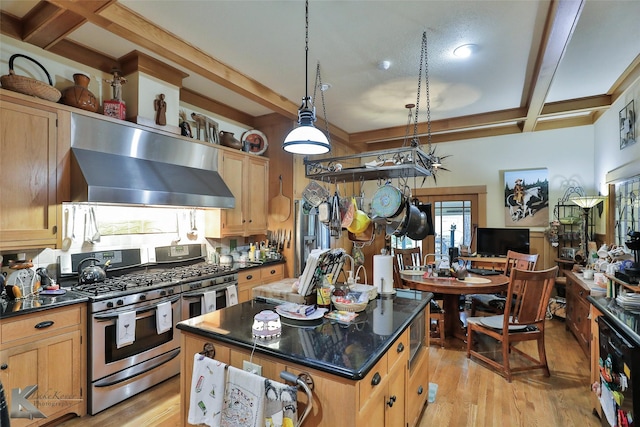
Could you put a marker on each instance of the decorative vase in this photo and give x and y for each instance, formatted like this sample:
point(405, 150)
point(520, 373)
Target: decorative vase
point(228, 140)
point(79, 95)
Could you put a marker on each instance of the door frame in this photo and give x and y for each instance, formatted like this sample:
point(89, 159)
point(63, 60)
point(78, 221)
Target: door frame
point(478, 212)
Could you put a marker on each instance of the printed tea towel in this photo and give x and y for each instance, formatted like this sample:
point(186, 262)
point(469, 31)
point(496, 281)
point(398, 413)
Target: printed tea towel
point(207, 391)
point(243, 399)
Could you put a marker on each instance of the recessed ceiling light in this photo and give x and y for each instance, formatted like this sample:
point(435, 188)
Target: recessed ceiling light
point(324, 86)
point(384, 65)
point(465, 50)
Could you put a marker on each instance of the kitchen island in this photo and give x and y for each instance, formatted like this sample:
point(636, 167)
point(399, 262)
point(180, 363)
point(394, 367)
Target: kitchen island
point(372, 371)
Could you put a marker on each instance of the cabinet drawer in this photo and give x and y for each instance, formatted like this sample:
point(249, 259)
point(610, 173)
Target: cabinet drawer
point(379, 372)
point(272, 273)
point(399, 350)
point(40, 324)
point(249, 277)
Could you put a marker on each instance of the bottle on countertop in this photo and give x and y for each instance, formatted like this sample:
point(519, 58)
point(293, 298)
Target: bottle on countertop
point(323, 299)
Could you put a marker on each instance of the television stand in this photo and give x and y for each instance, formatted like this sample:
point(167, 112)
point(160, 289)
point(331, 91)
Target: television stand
point(494, 263)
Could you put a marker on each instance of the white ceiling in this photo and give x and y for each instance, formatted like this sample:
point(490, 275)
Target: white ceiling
point(264, 40)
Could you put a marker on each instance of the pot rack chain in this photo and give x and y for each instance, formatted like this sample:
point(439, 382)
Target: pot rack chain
point(423, 61)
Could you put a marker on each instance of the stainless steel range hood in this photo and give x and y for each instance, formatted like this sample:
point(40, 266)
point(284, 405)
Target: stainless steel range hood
point(121, 163)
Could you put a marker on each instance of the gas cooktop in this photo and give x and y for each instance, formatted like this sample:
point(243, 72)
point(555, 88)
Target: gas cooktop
point(130, 273)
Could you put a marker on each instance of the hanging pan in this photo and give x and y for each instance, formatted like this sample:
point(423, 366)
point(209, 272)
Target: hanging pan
point(388, 201)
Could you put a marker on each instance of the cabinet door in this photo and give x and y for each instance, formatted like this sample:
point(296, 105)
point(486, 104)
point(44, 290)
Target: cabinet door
point(28, 176)
point(54, 366)
point(232, 172)
point(256, 209)
point(395, 399)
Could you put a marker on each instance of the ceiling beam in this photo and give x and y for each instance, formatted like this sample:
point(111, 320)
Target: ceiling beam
point(561, 22)
point(455, 123)
point(46, 24)
point(590, 103)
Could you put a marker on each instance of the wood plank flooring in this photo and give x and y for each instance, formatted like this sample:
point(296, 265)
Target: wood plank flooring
point(469, 394)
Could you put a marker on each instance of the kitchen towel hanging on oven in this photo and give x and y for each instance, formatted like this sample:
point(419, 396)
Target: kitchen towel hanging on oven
point(126, 329)
point(164, 317)
point(208, 303)
point(232, 295)
point(207, 391)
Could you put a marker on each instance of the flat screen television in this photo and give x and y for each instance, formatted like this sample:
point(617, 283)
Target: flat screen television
point(495, 242)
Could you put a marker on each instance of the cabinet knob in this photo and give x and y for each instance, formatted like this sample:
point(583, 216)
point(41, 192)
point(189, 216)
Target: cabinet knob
point(4, 366)
point(400, 348)
point(420, 390)
point(391, 401)
point(273, 272)
point(376, 379)
point(249, 276)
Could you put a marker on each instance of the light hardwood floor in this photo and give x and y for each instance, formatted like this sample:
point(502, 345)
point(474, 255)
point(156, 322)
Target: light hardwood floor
point(469, 394)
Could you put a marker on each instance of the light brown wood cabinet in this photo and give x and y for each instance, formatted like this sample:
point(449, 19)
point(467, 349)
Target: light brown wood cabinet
point(46, 349)
point(247, 176)
point(393, 393)
point(249, 279)
point(29, 151)
point(577, 311)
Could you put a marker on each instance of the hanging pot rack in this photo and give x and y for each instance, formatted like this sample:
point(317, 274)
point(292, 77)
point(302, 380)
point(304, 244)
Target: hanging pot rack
point(403, 162)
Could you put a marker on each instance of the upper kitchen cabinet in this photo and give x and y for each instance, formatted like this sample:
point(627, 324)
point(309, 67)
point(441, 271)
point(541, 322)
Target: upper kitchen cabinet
point(247, 176)
point(29, 172)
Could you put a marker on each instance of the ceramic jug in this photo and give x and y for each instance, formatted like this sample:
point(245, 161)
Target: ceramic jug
point(79, 95)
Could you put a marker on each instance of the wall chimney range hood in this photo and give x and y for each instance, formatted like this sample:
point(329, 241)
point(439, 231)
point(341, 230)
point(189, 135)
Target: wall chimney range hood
point(122, 163)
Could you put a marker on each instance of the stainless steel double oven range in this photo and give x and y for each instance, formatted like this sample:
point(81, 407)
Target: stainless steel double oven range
point(139, 280)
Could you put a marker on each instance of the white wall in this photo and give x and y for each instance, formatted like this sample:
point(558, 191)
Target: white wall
point(567, 154)
point(608, 154)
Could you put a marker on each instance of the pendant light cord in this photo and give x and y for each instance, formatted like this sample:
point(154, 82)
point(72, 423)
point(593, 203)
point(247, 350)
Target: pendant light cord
point(306, 55)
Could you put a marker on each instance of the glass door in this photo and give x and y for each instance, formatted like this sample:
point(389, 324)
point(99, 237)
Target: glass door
point(453, 220)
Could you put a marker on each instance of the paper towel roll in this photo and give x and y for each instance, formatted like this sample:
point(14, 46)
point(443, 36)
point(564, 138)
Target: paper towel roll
point(383, 273)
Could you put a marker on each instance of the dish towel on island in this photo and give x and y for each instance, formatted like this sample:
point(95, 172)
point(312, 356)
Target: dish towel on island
point(164, 317)
point(232, 295)
point(207, 391)
point(126, 329)
point(243, 399)
point(208, 302)
point(280, 404)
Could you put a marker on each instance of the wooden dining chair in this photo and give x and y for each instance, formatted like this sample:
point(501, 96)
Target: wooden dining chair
point(494, 303)
point(523, 320)
point(404, 259)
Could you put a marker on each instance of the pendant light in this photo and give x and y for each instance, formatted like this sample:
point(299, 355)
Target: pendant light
point(306, 138)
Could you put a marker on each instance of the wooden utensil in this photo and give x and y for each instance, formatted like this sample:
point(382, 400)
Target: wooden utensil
point(280, 208)
point(66, 242)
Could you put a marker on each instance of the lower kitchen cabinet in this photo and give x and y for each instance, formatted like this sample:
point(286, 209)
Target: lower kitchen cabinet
point(249, 279)
point(384, 397)
point(577, 311)
point(43, 354)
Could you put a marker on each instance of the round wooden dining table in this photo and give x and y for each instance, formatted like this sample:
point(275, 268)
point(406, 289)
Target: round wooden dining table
point(451, 289)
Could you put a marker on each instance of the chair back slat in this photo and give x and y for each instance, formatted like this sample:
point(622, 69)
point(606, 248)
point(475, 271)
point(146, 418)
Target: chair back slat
point(520, 261)
point(530, 292)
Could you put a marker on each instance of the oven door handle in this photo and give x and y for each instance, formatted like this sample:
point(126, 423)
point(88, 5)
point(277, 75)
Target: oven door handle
point(107, 317)
point(193, 295)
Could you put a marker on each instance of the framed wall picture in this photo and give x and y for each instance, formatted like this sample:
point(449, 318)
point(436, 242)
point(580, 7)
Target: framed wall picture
point(526, 198)
point(627, 125)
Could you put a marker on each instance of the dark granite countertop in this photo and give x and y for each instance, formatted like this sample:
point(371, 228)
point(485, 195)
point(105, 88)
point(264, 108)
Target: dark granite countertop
point(347, 350)
point(626, 320)
point(12, 308)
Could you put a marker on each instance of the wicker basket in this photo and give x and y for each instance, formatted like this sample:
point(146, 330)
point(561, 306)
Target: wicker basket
point(354, 307)
point(30, 86)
